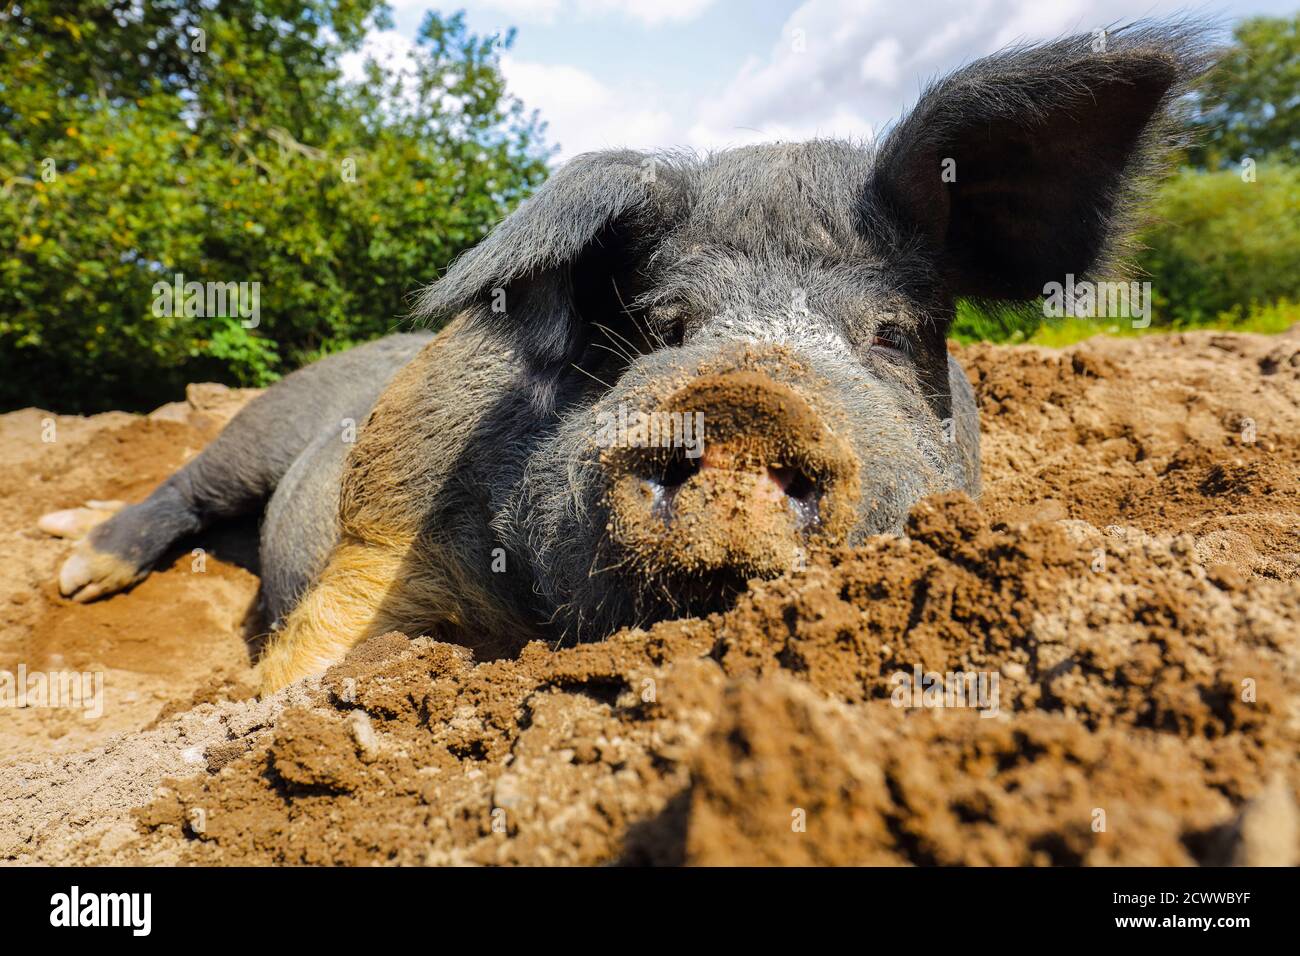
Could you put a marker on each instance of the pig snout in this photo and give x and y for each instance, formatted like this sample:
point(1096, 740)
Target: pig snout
point(766, 479)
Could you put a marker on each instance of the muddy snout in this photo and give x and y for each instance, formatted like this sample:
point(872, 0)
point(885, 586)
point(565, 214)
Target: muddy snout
point(737, 473)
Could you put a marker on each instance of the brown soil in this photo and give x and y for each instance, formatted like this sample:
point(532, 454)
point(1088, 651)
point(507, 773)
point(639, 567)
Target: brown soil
point(1131, 579)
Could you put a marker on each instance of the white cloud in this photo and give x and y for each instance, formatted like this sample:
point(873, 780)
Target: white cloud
point(841, 67)
point(388, 47)
point(1048, 19)
point(647, 12)
point(653, 12)
point(524, 11)
point(584, 114)
point(881, 64)
point(842, 123)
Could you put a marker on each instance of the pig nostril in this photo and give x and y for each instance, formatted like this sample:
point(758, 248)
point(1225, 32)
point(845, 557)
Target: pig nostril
point(663, 478)
point(794, 482)
point(679, 469)
point(803, 493)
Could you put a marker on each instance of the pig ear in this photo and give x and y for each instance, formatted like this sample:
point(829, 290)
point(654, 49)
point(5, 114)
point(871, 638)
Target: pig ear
point(1027, 165)
point(526, 283)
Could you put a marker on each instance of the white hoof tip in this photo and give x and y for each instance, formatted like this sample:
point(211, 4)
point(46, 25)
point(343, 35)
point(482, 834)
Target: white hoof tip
point(72, 522)
point(75, 574)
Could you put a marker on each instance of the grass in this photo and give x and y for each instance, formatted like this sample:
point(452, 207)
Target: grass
point(974, 325)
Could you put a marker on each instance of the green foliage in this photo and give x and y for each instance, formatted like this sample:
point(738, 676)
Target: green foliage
point(1262, 319)
point(1220, 242)
point(1268, 319)
point(995, 322)
point(133, 147)
point(1254, 93)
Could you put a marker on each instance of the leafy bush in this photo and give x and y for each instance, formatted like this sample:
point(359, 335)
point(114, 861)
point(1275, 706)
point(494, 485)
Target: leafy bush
point(134, 147)
point(1264, 319)
point(1221, 242)
point(1268, 319)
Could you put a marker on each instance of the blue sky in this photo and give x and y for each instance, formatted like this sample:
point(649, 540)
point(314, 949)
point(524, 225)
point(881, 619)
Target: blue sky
point(714, 73)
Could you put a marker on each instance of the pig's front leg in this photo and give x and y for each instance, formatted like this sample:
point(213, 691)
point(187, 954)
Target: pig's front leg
point(360, 594)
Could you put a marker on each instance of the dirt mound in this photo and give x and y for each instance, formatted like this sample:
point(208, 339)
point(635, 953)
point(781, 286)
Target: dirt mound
point(1098, 664)
point(1196, 433)
point(155, 644)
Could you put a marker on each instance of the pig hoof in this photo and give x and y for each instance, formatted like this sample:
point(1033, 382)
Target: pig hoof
point(77, 522)
point(88, 574)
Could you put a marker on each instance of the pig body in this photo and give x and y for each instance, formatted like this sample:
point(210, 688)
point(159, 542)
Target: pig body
point(792, 299)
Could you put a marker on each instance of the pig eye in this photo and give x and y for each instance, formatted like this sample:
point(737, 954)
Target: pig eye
point(891, 342)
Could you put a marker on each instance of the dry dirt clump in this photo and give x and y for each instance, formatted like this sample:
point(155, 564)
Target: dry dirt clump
point(1125, 596)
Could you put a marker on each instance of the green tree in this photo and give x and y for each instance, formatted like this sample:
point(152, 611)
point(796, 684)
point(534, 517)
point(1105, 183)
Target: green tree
point(1254, 97)
point(221, 142)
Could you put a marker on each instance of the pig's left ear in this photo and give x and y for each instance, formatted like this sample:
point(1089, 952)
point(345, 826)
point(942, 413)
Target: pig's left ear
point(531, 282)
point(1029, 164)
